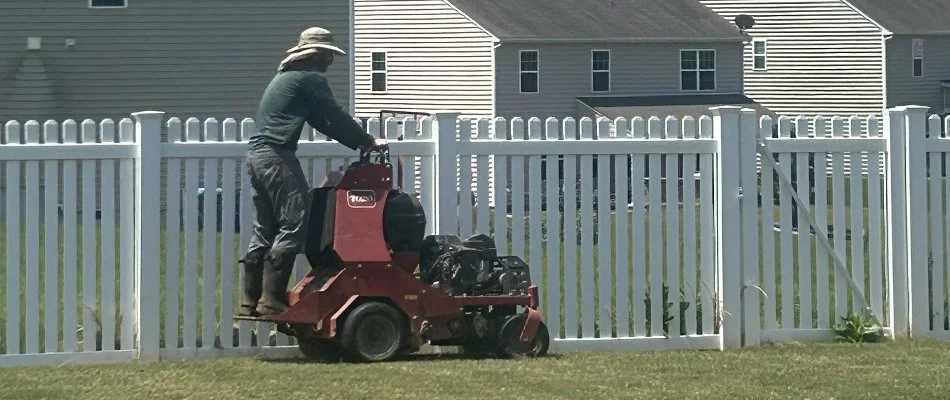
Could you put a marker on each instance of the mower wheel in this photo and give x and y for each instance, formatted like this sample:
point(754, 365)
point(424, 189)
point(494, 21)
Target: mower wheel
point(374, 331)
point(316, 348)
point(509, 339)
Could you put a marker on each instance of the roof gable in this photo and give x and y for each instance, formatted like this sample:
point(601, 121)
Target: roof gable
point(908, 16)
point(567, 20)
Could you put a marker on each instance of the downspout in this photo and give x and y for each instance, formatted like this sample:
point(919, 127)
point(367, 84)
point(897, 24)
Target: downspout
point(494, 79)
point(885, 36)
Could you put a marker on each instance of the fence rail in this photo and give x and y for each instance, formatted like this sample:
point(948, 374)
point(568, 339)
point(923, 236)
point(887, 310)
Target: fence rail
point(642, 233)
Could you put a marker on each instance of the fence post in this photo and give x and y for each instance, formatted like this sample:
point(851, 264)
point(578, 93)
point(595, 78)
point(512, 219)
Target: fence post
point(148, 130)
point(751, 302)
point(726, 132)
point(896, 203)
point(446, 172)
point(915, 150)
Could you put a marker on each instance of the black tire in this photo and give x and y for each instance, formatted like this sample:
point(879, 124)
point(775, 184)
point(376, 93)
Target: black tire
point(373, 332)
point(509, 339)
point(315, 348)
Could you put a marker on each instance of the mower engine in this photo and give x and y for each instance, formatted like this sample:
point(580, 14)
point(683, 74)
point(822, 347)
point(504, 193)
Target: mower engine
point(471, 267)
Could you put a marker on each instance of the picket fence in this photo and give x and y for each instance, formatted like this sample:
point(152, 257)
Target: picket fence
point(642, 234)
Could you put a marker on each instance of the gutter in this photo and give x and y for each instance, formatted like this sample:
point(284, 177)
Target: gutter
point(625, 40)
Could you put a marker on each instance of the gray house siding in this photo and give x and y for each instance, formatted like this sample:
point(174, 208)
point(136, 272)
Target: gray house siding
point(185, 57)
point(636, 69)
point(822, 56)
point(435, 58)
point(903, 88)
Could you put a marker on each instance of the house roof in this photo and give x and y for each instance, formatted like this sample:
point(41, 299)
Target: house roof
point(566, 20)
point(679, 106)
point(908, 17)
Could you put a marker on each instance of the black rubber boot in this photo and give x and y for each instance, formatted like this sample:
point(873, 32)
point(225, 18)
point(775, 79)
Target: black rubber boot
point(276, 277)
point(252, 286)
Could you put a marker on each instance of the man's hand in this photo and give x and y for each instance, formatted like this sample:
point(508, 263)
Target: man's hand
point(378, 144)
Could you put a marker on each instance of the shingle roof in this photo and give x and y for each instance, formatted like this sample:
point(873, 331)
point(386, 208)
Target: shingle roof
point(908, 16)
point(598, 19)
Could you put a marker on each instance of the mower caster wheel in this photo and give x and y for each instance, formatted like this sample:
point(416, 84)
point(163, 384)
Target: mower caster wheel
point(321, 350)
point(374, 331)
point(509, 339)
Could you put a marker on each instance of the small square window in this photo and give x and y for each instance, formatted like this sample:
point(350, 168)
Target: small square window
point(697, 70)
point(379, 71)
point(758, 55)
point(529, 71)
point(600, 70)
point(108, 3)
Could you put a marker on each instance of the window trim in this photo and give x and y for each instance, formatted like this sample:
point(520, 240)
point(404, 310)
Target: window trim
point(914, 58)
point(715, 70)
point(384, 71)
point(536, 72)
point(764, 55)
point(125, 4)
point(610, 76)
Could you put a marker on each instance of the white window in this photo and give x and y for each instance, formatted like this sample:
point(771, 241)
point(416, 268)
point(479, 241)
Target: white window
point(529, 71)
point(759, 54)
point(918, 54)
point(379, 71)
point(108, 3)
point(600, 70)
point(697, 70)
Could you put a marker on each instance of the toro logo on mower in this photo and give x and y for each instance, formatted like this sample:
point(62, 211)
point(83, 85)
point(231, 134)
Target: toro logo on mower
point(361, 198)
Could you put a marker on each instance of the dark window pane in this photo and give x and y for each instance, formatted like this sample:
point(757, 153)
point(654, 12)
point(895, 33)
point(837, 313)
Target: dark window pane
point(689, 80)
point(918, 67)
point(529, 61)
point(529, 82)
point(601, 81)
point(758, 47)
point(108, 3)
point(379, 82)
point(688, 59)
point(707, 60)
point(759, 62)
point(707, 80)
point(600, 60)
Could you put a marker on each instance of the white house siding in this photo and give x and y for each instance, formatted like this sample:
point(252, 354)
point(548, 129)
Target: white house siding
point(436, 58)
point(905, 89)
point(823, 57)
point(636, 69)
point(202, 58)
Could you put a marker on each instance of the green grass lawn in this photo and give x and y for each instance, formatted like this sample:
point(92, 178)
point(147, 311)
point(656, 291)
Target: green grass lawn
point(902, 369)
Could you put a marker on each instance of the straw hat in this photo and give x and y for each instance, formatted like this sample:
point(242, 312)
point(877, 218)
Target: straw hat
point(316, 38)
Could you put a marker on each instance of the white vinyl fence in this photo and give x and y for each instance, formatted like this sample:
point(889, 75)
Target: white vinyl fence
point(119, 241)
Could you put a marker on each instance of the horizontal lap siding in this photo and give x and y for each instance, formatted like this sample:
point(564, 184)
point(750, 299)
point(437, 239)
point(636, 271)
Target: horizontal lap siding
point(437, 59)
point(823, 57)
point(641, 69)
point(188, 58)
point(905, 89)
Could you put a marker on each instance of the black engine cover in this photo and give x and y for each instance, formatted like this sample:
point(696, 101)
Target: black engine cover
point(404, 222)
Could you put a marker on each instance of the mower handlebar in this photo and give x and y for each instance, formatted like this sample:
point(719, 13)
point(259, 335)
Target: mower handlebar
point(382, 155)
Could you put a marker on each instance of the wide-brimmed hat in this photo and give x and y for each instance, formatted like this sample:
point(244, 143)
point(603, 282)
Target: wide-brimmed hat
point(316, 38)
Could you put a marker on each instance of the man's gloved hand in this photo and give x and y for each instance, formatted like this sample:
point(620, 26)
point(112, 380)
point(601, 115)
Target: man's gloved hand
point(378, 143)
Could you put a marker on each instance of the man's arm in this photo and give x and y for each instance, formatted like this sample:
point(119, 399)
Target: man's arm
point(333, 121)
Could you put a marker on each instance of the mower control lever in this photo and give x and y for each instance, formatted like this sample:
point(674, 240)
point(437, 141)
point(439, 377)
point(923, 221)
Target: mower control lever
point(382, 155)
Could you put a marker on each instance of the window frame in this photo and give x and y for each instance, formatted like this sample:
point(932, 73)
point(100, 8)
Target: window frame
point(915, 58)
point(536, 72)
point(373, 71)
point(593, 71)
point(764, 55)
point(715, 70)
point(125, 4)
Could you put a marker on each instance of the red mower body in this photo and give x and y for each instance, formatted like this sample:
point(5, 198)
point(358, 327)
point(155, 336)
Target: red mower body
point(358, 266)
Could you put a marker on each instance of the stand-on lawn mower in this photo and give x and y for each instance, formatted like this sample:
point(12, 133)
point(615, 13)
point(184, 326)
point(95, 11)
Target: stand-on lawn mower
point(363, 299)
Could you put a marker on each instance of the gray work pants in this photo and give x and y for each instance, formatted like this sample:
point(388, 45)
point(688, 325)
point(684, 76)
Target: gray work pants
point(279, 191)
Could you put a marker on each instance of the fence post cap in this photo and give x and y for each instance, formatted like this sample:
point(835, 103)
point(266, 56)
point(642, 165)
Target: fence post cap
point(913, 108)
point(148, 115)
point(718, 110)
point(445, 114)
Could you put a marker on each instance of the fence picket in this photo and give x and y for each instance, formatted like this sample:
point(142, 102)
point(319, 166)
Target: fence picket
point(875, 226)
point(89, 236)
point(209, 241)
point(708, 274)
point(572, 266)
point(465, 181)
point(245, 328)
point(71, 303)
point(605, 264)
point(937, 244)
point(803, 265)
point(499, 132)
point(656, 236)
point(588, 307)
point(32, 256)
point(190, 309)
point(13, 137)
point(671, 210)
point(173, 228)
point(126, 225)
point(823, 276)
point(690, 167)
point(51, 242)
point(638, 235)
point(228, 251)
point(786, 226)
point(517, 176)
point(107, 134)
point(482, 191)
point(622, 248)
point(839, 214)
point(770, 281)
point(858, 233)
point(554, 263)
point(535, 238)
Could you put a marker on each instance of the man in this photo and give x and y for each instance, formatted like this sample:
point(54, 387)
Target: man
point(299, 93)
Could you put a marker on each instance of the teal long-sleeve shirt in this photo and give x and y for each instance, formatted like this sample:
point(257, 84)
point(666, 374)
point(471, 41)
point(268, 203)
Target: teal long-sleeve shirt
point(299, 96)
